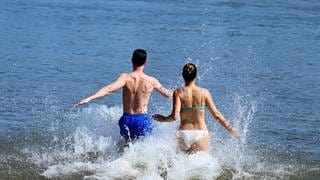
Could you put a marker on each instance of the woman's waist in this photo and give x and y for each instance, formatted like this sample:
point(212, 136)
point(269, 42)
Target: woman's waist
point(193, 126)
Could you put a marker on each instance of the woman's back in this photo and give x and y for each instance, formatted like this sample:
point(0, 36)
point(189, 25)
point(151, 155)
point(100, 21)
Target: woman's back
point(192, 112)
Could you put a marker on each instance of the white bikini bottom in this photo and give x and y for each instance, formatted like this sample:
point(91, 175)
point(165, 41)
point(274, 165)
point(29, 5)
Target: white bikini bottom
point(191, 136)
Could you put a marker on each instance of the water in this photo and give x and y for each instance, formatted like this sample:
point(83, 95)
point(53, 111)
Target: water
point(260, 60)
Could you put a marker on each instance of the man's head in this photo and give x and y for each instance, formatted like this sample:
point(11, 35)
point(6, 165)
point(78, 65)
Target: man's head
point(189, 72)
point(139, 57)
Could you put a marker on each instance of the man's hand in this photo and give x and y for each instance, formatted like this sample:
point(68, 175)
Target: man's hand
point(82, 102)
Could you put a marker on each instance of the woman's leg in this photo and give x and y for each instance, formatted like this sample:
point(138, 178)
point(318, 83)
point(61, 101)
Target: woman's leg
point(201, 145)
point(182, 145)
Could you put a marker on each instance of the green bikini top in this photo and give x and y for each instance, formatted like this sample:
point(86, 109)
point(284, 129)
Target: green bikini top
point(192, 108)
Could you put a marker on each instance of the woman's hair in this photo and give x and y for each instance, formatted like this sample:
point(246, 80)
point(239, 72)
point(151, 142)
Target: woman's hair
point(189, 72)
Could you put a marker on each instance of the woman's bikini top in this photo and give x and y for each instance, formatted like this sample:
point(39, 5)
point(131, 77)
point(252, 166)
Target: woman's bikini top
point(192, 108)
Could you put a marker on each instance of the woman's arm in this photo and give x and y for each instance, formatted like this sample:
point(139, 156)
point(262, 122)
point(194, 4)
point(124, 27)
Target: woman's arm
point(175, 113)
point(218, 116)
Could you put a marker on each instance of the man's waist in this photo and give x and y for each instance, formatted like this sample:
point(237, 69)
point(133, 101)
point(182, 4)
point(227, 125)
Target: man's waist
point(135, 114)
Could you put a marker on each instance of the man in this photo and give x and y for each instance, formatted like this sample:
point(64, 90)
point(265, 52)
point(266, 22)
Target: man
point(137, 88)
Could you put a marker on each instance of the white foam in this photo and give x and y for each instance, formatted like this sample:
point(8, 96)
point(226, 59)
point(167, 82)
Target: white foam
point(146, 159)
point(70, 168)
point(96, 150)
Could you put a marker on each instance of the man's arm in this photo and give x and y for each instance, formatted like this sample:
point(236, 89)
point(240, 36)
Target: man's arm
point(117, 84)
point(175, 113)
point(218, 116)
point(163, 91)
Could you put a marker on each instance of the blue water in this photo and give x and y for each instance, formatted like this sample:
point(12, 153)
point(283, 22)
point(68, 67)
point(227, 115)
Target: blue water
point(260, 60)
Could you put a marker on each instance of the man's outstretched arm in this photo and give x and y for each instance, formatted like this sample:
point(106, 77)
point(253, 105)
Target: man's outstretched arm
point(108, 89)
point(162, 90)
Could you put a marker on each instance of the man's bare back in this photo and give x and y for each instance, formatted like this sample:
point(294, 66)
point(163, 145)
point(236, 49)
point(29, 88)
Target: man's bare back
point(137, 91)
point(137, 88)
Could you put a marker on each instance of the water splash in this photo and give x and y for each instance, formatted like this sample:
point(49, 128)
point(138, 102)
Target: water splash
point(96, 150)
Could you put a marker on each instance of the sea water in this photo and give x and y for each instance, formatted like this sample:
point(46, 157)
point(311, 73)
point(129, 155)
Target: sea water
point(259, 59)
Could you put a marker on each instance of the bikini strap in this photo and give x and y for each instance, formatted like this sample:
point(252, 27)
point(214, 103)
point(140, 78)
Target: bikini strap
point(200, 97)
point(185, 97)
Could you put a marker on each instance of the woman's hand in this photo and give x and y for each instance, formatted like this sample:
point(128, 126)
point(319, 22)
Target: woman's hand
point(158, 117)
point(235, 132)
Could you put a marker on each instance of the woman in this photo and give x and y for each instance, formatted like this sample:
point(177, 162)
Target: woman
point(190, 102)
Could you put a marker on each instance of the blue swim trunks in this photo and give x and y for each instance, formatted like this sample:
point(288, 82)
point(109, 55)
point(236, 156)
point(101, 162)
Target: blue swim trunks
point(132, 126)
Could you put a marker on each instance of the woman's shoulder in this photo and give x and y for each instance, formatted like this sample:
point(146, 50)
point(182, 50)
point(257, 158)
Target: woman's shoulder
point(178, 90)
point(204, 91)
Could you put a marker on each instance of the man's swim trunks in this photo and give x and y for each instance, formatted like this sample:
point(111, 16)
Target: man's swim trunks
point(133, 126)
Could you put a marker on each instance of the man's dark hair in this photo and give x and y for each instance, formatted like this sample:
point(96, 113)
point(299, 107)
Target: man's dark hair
point(189, 72)
point(139, 57)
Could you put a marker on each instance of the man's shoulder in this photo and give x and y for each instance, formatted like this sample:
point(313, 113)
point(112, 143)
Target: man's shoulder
point(125, 75)
point(150, 78)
